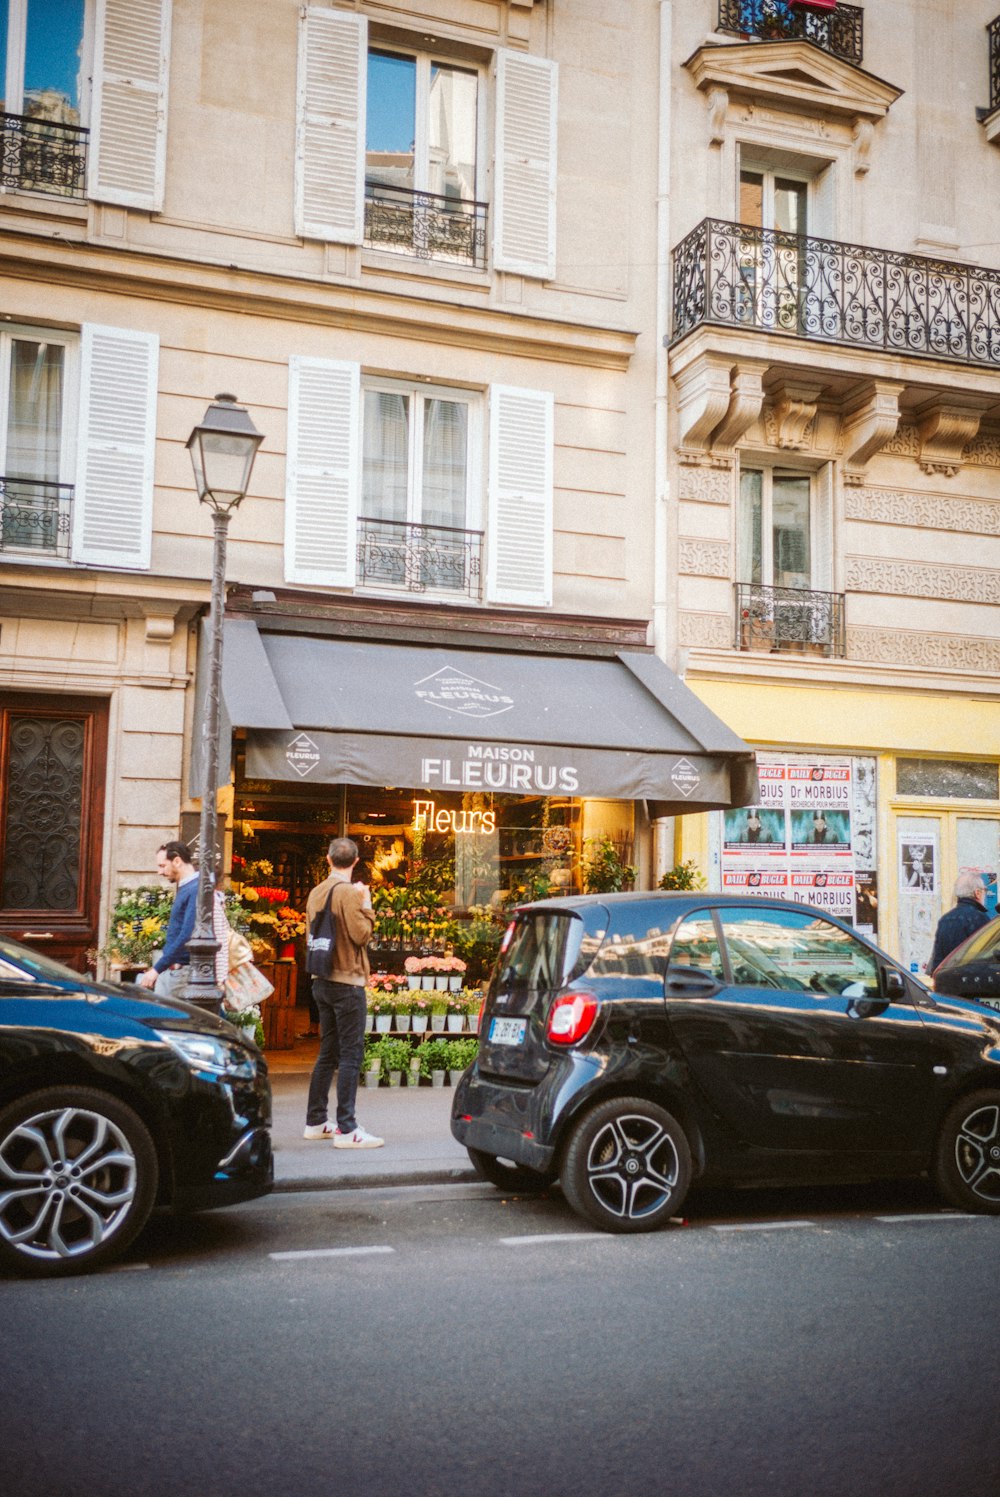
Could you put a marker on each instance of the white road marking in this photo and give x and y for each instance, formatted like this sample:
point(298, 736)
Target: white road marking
point(760, 1226)
point(933, 1216)
point(555, 1237)
point(342, 1252)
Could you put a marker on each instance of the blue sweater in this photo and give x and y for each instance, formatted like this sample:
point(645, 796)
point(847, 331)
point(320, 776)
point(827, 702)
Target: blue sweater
point(959, 923)
point(180, 927)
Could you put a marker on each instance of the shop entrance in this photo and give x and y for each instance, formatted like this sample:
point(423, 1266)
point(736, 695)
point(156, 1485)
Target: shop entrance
point(931, 851)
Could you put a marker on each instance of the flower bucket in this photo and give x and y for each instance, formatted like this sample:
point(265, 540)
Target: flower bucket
point(456, 1023)
point(369, 1022)
point(427, 980)
point(454, 1077)
point(418, 1023)
point(441, 981)
point(403, 1022)
point(455, 983)
point(413, 980)
point(383, 1023)
point(437, 1022)
point(437, 1078)
point(372, 1078)
point(473, 1020)
point(394, 1077)
point(286, 952)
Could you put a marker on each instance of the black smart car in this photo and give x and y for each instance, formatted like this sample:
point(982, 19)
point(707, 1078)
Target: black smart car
point(972, 970)
point(112, 1103)
point(631, 1044)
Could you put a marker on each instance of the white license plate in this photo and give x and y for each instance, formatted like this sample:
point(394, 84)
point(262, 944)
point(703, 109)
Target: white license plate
point(507, 1031)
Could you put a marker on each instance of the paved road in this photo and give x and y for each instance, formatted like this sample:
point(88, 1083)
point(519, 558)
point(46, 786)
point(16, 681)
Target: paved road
point(449, 1340)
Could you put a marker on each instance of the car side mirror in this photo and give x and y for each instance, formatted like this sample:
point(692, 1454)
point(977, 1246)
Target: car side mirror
point(894, 984)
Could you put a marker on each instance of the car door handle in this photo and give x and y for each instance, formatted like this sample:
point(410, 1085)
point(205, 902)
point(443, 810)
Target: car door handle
point(37, 935)
point(694, 982)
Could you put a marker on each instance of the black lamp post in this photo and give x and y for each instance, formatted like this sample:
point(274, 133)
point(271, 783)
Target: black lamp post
point(222, 450)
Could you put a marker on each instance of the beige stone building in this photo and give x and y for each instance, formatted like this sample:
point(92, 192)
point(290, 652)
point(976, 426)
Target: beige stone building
point(421, 245)
point(832, 562)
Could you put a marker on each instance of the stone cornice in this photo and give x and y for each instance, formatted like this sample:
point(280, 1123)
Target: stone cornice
point(793, 74)
point(155, 277)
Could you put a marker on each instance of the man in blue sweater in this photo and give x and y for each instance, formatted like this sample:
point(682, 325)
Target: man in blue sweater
point(968, 914)
point(169, 973)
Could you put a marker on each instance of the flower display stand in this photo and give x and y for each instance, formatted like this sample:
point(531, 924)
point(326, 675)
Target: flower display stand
point(278, 1013)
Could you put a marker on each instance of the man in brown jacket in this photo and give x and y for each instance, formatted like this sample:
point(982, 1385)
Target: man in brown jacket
point(340, 999)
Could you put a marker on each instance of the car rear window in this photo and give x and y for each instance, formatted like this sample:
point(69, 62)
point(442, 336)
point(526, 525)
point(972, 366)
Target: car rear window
point(985, 941)
point(547, 949)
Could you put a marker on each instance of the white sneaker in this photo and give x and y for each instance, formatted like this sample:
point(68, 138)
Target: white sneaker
point(319, 1130)
point(359, 1139)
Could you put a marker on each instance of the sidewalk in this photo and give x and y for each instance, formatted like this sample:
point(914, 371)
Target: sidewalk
point(414, 1121)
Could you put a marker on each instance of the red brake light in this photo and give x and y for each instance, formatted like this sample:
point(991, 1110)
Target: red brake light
point(570, 1018)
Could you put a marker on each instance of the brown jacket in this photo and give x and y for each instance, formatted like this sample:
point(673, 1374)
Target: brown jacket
point(354, 929)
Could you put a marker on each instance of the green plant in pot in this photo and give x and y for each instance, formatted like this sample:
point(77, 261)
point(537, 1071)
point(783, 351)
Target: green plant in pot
point(461, 1054)
point(603, 870)
point(393, 1053)
point(138, 926)
point(434, 1056)
point(683, 876)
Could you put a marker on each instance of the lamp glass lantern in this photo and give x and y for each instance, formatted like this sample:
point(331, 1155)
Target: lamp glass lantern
point(222, 447)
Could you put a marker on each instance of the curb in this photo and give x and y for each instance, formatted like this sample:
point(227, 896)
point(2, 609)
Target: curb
point(456, 1176)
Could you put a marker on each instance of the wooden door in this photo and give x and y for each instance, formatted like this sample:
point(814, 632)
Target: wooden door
point(53, 753)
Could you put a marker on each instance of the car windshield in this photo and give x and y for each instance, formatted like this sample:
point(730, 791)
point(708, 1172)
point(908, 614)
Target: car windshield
point(20, 964)
point(985, 942)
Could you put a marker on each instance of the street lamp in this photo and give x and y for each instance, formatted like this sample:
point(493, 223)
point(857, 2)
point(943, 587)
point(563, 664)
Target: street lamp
point(222, 450)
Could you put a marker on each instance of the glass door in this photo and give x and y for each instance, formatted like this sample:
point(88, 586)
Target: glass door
point(977, 844)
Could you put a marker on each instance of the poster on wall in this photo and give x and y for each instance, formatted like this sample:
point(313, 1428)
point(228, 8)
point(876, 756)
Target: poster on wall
point(810, 837)
point(919, 897)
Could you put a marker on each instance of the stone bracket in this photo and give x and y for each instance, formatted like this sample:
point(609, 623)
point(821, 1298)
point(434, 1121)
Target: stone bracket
point(746, 398)
point(868, 422)
point(793, 406)
point(718, 401)
point(945, 428)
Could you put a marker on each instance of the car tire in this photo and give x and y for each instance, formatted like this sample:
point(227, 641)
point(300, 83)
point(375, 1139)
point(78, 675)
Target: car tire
point(966, 1168)
point(627, 1166)
point(512, 1177)
point(78, 1179)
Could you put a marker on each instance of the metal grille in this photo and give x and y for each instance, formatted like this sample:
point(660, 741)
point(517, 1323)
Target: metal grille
point(993, 30)
point(425, 224)
point(35, 516)
point(741, 276)
point(839, 32)
point(43, 156)
point(44, 800)
point(789, 618)
point(419, 558)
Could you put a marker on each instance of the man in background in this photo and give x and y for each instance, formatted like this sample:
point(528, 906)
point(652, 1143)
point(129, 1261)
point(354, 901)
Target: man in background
point(169, 973)
point(968, 914)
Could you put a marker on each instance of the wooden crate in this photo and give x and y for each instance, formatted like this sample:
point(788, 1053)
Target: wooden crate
point(279, 1026)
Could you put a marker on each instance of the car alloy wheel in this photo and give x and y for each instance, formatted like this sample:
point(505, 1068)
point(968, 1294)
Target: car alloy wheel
point(78, 1178)
point(967, 1165)
point(512, 1177)
point(627, 1166)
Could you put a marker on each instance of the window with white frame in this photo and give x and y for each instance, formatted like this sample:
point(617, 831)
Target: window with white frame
point(36, 442)
point(44, 107)
point(774, 528)
point(420, 483)
point(784, 560)
point(391, 148)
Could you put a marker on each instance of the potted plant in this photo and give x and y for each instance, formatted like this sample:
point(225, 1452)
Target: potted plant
point(434, 1060)
point(603, 869)
point(394, 1055)
point(371, 1064)
point(419, 1011)
point(461, 1054)
point(381, 1004)
point(473, 1007)
point(437, 1003)
point(456, 1012)
point(291, 925)
point(455, 971)
point(683, 876)
point(138, 924)
point(249, 1021)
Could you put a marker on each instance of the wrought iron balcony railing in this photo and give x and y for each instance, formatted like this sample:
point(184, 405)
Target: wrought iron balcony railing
point(419, 558)
point(993, 31)
point(425, 224)
point(789, 618)
point(43, 156)
point(839, 32)
point(35, 517)
point(734, 275)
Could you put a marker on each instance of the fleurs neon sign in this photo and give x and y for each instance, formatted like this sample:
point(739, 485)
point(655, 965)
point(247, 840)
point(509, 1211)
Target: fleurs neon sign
point(429, 817)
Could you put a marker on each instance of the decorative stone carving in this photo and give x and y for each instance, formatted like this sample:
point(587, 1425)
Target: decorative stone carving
point(939, 652)
point(697, 557)
point(922, 511)
point(905, 441)
point(914, 579)
point(983, 452)
point(703, 399)
point(712, 631)
point(869, 421)
point(718, 107)
point(705, 485)
point(791, 411)
point(864, 134)
point(746, 397)
point(945, 427)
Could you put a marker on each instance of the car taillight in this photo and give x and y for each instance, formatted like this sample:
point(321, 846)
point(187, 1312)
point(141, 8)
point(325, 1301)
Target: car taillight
point(570, 1018)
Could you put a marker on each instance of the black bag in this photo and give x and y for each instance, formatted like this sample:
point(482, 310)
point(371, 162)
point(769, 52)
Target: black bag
point(320, 941)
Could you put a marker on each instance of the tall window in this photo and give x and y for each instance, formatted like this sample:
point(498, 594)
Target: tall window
point(34, 499)
point(774, 541)
point(42, 48)
point(416, 486)
point(770, 201)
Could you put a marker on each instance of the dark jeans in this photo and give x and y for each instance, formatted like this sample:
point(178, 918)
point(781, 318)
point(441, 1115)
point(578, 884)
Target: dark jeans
point(341, 1045)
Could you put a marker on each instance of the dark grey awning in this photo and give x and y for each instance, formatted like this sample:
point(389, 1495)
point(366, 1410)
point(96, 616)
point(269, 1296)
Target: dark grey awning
point(250, 695)
point(369, 713)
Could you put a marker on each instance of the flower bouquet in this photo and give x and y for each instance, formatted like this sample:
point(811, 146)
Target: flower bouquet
point(291, 924)
point(138, 925)
point(249, 1021)
point(381, 1004)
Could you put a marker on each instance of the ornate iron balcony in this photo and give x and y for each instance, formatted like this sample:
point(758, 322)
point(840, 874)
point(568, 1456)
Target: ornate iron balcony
point(789, 618)
point(35, 517)
point(425, 224)
point(419, 558)
point(733, 275)
point(43, 156)
point(993, 31)
point(839, 32)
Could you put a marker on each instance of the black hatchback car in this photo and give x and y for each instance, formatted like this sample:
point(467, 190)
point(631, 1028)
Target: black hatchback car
point(972, 970)
point(113, 1102)
point(632, 1044)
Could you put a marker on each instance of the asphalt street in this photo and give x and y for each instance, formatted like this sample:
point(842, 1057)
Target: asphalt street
point(449, 1339)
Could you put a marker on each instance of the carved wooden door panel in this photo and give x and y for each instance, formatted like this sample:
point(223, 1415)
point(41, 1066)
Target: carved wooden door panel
point(53, 753)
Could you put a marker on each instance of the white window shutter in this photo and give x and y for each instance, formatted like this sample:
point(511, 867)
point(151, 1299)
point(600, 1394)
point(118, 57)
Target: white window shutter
point(823, 529)
point(323, 474)
point(524, 192)
point(330, 136)
point(113, 500)
point(128, 137)
point(519, 566)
